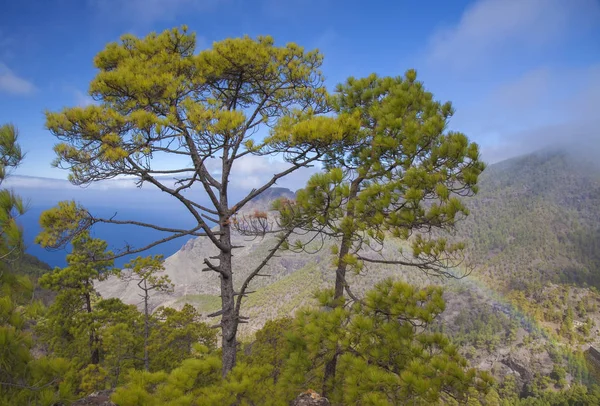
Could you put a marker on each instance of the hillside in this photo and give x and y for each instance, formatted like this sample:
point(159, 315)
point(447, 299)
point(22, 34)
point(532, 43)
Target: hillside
point(28, 264)
point(533, 229)
point(289, 281)
point(536, 219)
point(192, 284)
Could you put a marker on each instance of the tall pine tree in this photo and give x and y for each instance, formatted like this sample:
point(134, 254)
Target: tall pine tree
point(400, 175)
point(160, 102)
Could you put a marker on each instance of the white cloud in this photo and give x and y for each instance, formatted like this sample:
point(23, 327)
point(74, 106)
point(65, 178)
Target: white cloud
point(489, 27)
point(32, 182)
point(13, 84)
point(83, 99)
point(252, 171)
point(543, 108)
point(528, 100)
point(249, 172)
point(527, 91)
point(49, 191)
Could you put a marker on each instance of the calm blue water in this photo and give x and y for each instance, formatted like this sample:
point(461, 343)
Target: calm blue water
point(116, 235)
point(129, 203)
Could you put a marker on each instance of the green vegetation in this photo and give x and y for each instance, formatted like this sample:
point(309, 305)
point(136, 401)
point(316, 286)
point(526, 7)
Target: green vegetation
point(157, 97)
point(144, 271)
point(392, 165)
point(484, 328)
point(390, 190)
point(400, 174)
point(203, 303)
point(294, 291)
point(535, 221)
point(27, 264)
point(385, 359)
point(73, 308)
point(24, 378)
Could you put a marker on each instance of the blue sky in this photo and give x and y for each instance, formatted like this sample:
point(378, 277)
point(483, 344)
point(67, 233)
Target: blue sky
point(522, 74)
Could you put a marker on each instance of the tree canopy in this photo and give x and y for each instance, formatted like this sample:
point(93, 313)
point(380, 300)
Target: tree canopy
point(400, 175)
point(164, 113)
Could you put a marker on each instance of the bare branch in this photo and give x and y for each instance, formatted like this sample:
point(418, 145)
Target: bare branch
point(256, 192)
point(152, 226)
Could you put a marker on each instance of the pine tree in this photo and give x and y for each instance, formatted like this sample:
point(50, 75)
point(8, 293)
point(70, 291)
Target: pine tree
point(158, 99)
point(24, 379)
point(386, 356)
point(11, 205)
point(121, 328)
point(178, 335)
point(144, 272)
point(401, 175)
point(15, 343)
point(71, 314)
point(270, 346)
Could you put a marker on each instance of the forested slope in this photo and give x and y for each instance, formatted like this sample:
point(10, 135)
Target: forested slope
point(536, 219)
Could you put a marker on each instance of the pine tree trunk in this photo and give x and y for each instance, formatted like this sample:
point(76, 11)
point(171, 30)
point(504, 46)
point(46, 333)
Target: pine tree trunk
point(340, 278)
point(340, 272)
point(94, 352)
point(229, 320)
point(146, 329)
point(340, 285)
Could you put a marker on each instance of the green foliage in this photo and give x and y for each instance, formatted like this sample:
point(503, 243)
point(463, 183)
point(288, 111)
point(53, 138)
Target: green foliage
point(158, 97)
point(29, 265)
point(483, 328)
point(401, 173)
point(385, 356)
point(144, 271)
point(270, 346)
point(24, 379)
point(576, 395)
point(183, 386)
point(176, 336)
point(536, 222)
point(392, 170)
point(61, 224)
point(10, 150)
point(205, 304)
point(88, 261)
point(71, 328)
point(11, 205)
point(93, 378)
point(559, 374)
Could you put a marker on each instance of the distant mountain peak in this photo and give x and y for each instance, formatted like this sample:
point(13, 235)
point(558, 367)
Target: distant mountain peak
point(273, 193)
point(265, 199)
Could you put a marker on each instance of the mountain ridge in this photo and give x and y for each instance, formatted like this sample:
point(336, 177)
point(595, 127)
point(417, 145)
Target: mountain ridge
point(527, 240)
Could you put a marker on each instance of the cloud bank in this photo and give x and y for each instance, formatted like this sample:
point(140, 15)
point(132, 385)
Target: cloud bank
point(11, 83)
point(490, 29)
point(522, 91)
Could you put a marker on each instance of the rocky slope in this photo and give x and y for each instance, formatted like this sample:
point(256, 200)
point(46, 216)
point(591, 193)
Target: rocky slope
point(534, 227)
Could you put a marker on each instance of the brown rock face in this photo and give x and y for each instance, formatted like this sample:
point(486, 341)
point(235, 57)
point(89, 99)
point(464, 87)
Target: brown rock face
point(310, 398)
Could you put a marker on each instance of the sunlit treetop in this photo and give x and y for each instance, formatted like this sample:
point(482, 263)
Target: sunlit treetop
point(157, 96)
